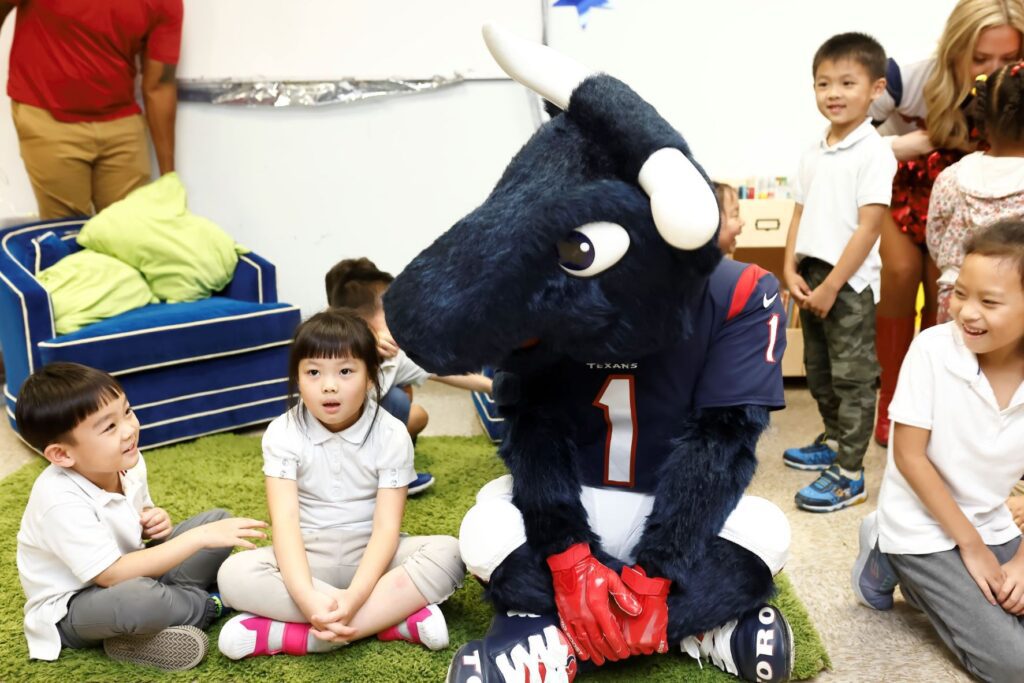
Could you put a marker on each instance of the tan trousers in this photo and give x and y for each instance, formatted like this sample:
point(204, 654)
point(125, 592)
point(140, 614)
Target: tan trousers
point(79, 168)
point(250, 581)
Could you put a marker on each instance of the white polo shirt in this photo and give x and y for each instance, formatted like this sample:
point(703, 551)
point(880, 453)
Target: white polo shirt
point(400, 371)
point(832, 184)
point(338, 474)
point(70, 532)
point(977, 448)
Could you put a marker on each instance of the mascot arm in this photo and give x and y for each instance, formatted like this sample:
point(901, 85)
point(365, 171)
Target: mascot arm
point(700, 483)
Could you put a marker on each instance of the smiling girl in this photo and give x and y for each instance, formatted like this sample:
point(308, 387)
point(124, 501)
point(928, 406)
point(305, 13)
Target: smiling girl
point(337, 470)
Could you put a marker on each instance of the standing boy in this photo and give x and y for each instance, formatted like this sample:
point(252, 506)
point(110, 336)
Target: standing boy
point(88, 577)
point(832, 267)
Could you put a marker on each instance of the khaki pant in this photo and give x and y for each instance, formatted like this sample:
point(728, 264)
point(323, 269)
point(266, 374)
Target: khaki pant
point(250, 581)
point(79, 168)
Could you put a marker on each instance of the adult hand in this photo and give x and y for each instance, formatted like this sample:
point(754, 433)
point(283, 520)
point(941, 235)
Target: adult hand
point(984, 568)
point(912, 145)
point(1016, 505)
point(228, 533)
point(583, 588)
point(156, 523)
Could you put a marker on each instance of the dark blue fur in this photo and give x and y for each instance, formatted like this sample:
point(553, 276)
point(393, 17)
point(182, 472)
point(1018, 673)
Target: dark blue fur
point(492, 282)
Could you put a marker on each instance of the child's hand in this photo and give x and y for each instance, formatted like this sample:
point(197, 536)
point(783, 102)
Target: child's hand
point(821, 300)
point(1011, 596)
point(156, 523)
point(329, 616)
point(228, 533)
point(797, 286)
point(984, 568)
point(386, 346)
point(1016, 505)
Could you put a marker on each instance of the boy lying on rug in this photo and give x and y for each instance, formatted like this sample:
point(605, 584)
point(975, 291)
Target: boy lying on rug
point(88, 576)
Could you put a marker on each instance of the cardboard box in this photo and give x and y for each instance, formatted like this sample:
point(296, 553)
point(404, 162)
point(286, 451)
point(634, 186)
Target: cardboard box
point(793, 358)
point(767, 223)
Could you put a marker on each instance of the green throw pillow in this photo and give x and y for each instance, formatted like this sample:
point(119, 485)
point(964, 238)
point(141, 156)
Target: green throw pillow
point(87, 287)
point(183, 257)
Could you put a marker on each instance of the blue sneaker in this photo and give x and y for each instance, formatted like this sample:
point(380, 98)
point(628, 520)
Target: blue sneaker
point(831, 491)
point(873, 578)
point(756, 647)
point(423, 481)
point(817, 456)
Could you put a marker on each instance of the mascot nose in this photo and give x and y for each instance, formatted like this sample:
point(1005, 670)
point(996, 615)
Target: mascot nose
point(683, 204)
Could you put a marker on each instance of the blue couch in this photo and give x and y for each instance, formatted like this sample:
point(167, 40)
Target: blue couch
point(188, 369)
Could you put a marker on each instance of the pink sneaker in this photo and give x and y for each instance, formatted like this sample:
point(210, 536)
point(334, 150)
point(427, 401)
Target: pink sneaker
point(247, 635)
point(426, 627)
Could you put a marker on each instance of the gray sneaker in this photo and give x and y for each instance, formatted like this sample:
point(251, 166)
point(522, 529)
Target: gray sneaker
point(873, 578)
point(175, 648)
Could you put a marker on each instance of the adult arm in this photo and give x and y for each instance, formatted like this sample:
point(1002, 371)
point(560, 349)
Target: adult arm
point(911, 459)
point(160, 97)
point(5, 9)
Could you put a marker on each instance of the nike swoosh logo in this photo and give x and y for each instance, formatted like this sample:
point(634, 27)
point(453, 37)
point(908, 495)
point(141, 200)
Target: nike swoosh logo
point(768, 302)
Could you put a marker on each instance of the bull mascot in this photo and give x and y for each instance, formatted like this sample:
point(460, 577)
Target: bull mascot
point(635, 371)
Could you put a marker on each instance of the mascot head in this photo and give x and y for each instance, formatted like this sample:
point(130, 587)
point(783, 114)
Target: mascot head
point(595, 243)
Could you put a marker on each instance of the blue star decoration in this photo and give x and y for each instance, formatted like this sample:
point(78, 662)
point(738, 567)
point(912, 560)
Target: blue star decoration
point(582, 7)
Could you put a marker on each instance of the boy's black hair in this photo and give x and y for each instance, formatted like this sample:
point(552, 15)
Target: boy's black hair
point(355, 283)
point(998, 105)
point(1004, 239)
point(860, 47)
point(57, 398)
point(333, 333)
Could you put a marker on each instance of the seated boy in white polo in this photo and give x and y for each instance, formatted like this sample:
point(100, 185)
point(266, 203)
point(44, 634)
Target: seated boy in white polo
point(88, 577)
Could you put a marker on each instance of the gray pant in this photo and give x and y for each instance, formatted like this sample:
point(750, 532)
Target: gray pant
point(988, 641)
point(144, 605)
point(251, 581)
point(842, 367)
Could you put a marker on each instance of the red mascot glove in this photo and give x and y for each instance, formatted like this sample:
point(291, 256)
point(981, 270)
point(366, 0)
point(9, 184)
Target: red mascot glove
point(582, 588)
point(647, 632)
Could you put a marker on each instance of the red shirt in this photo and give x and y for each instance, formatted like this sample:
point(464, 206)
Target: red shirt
point(78, 58)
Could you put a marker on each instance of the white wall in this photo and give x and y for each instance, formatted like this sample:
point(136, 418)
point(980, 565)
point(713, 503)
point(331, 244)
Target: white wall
point(384, 178)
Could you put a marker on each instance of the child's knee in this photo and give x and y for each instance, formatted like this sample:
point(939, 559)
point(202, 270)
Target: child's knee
point(437, 569)
point(418, 419)
point(490, 531)
point(233, 575)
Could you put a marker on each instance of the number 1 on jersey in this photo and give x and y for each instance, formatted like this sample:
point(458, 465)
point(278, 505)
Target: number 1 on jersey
point(617, 399)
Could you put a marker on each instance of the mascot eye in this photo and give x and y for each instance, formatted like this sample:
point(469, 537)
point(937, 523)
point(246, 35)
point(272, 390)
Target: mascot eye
point(592, 248)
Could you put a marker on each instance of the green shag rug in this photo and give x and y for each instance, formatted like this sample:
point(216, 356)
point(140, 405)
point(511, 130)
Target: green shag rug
point(225, 471)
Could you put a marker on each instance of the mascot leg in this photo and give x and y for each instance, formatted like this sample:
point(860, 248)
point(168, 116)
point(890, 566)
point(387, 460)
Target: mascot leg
point(524, 641)
point(737, 630)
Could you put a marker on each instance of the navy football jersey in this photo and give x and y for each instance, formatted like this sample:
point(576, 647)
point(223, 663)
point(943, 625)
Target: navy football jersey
point(625, 411)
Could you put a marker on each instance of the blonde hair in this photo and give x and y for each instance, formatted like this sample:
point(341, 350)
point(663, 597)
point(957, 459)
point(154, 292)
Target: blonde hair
point(949, 83)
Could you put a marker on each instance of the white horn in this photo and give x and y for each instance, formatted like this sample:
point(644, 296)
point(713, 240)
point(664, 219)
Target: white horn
point(683, 204)
point(548, 73)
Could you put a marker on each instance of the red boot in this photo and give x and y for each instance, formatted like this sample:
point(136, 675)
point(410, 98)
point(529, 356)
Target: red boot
point(892, 339)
